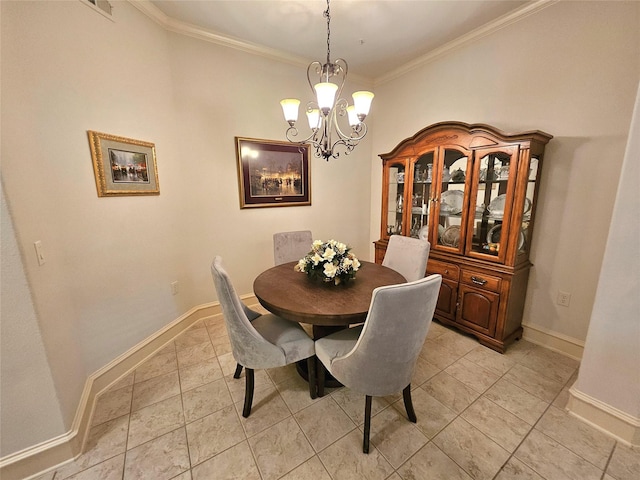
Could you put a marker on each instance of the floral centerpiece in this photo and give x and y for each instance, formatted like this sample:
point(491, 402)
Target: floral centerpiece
point(331, 262)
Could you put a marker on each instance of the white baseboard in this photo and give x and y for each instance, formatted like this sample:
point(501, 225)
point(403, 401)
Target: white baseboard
point(52, 453)
point(624, 427)
point(555, 341)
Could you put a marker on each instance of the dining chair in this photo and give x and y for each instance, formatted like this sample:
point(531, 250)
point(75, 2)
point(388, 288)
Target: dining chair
point(260, 340)
point(291, 246)
point(378, 358)
point(407, 256)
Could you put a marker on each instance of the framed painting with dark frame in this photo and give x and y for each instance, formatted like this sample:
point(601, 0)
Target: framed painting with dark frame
point(123, 166)
point(272, 174)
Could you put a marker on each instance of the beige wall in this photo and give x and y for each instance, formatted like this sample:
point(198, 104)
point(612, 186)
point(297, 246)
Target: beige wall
point(570, 70)
point(105, 285)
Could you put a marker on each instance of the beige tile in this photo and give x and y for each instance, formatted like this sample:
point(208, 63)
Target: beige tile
point(213, 434)
point(438, 355)
point(155, 420)
point(478, 455)
point(430, 463)
point(162, 458)
point(108, 470)
point(551, 460)
point(125, 381)
point(517, 401)
point(232, 464)
point(183, 476)
point(227, 363)
point(518, 350)
point(198, 374)
point(105, 441)
point(324, 422)
point(450, 392)
point(312, 469)
point(280, 448)
point(625, 463)
point(456, 342)
point(550, 364)
point(490, 359)
point(344, 460)
point(514, 469)
point(48, 476)
point(353, 404)
point(193, 354)
point(577, 436)
point(282, 374)
point(432, 415)
point(472, 375)
point(395, 436)
point(237, 386)
point(423, 371)
point(533, 382)
point(155, 390)
point(295, 393)
point(206, 399)
point(194, 336)
point(267, 410)
point(436, 329)
point(159, 364)
point(216, 327)
point(504, 428)
point(112, 404)
point(223, 346)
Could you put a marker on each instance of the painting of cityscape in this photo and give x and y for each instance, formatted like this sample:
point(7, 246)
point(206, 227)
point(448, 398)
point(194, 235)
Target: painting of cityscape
point(272, 174)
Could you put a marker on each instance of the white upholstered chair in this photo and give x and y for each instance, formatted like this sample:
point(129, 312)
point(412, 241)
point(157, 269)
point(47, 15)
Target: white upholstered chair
point(407, 256)
point(260, 341)
point(378, 358)
point(291, 246)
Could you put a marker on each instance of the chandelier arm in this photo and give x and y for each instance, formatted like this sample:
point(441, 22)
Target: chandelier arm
point(318, 71)
point(292, 132)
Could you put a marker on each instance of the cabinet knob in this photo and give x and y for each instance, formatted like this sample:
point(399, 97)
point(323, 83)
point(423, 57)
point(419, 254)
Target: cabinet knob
point(478, 281)
point(447, 272)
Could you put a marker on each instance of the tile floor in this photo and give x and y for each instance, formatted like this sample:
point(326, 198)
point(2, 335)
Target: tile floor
point(481, 415)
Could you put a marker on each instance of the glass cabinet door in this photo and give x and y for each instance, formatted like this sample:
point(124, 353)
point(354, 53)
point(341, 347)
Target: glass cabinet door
point(395, 200)
point(527, 208)
point(492, 199)
point(454, 170)
point(421, 195)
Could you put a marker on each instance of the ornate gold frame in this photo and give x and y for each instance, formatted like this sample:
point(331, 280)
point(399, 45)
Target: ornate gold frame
point(142, 180)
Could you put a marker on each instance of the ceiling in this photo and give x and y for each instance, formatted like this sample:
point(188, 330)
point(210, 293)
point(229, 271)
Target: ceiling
point(374, 36)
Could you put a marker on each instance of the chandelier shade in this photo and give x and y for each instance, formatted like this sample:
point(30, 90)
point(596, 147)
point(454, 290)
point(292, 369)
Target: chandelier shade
point(323, 113)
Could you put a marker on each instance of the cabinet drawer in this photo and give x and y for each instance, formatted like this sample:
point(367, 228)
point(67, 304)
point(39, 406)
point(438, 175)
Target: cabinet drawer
point(447, 270)
point(481, 280)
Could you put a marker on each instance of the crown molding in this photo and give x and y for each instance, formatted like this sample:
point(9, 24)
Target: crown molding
point(466, 39)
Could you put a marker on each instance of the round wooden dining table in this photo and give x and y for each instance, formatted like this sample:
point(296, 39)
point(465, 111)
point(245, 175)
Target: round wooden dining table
point(328, 307)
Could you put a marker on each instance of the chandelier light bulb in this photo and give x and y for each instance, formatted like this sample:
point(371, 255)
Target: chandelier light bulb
point(326, 93)
point(313, 116)
point(353, 116)
point(290, 109)
point(362, 103)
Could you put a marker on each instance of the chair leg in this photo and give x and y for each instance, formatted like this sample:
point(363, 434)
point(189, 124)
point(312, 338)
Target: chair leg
point(248, 394)
point(311, 371)
point(408, 404)
point(320, 380)
point(238, 371)
point(367, 424)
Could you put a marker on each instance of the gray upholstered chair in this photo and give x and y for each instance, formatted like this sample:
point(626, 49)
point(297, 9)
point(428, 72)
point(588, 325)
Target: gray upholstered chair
point(260, 341)
point(291, 246)
point(407, 256)
point(378, 358)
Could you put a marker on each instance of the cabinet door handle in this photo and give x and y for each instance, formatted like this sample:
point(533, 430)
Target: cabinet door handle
point(478, 281)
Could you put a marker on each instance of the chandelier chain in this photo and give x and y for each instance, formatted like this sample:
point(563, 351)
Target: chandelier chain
point(327, 14)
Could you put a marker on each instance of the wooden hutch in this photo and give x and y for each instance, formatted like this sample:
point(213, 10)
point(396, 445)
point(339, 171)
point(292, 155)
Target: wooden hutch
point(472, 191)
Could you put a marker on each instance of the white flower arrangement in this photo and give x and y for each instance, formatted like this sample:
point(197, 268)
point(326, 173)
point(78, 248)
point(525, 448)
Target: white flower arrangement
point(330, 261)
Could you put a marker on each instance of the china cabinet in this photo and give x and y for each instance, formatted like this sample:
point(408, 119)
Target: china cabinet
point(471, 190)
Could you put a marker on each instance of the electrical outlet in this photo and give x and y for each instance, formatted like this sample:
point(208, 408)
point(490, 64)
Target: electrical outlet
point(563, 298)
point(174, 288)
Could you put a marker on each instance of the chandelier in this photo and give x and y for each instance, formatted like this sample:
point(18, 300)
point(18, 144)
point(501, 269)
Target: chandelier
point(323, 113)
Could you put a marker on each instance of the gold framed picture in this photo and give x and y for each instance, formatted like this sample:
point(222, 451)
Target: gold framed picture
point(123, 166)
point(273, 174)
